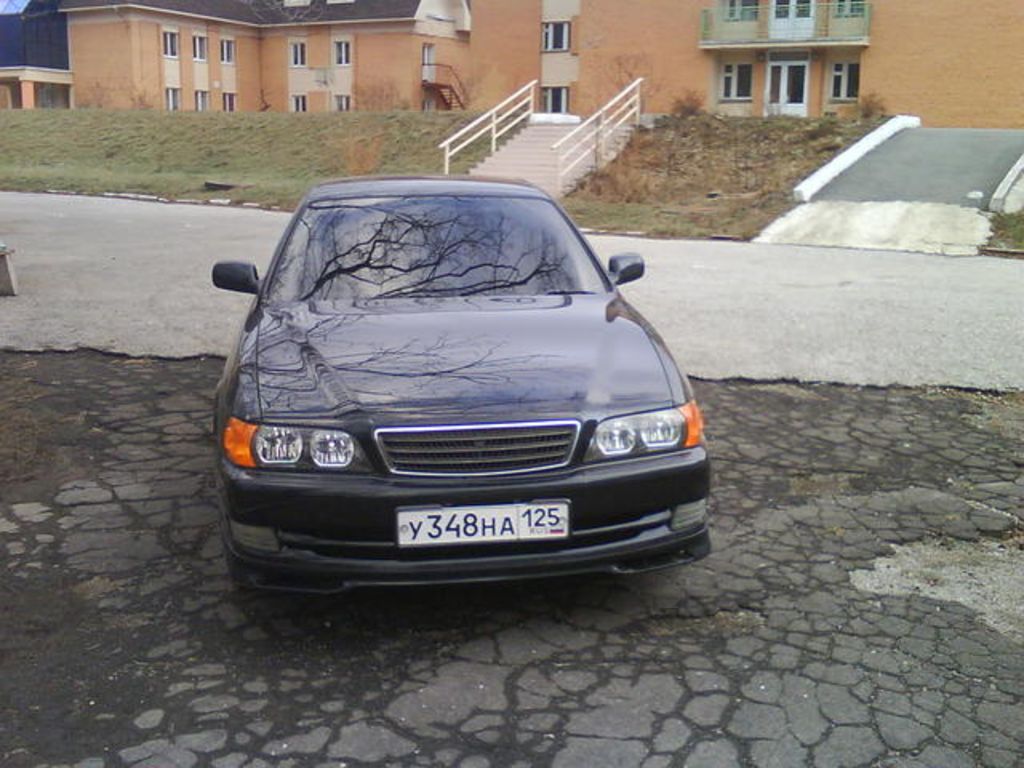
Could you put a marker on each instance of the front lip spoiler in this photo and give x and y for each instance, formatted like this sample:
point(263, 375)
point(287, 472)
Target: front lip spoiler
point(304, 572)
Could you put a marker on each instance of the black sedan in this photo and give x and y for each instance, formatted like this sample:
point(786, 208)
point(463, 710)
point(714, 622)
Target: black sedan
point(437, 381)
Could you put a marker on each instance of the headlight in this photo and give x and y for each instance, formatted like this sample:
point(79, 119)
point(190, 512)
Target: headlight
point(264, 445)
point(278, 445)
point(331, 448)
point(643, 433)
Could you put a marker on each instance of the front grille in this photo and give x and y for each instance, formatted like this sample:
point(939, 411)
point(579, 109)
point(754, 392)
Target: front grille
point(483, 449)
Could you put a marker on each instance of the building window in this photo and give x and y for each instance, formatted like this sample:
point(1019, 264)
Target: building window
point(202, 101)
point(556, 36)
point(741, 10)
point(298, 54)
point(171, 45)
point(172, 99)
point(556, 100)
point(845, 81)
point(299, 103)
point(227, 51)
point(228, 101)
point(737, 81)
point(847, 8)
point(199, 47)
point(342, 102)
point(342, 53)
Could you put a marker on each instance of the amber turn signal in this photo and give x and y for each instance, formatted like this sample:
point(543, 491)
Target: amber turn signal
point(694, 424)
point(237, 442)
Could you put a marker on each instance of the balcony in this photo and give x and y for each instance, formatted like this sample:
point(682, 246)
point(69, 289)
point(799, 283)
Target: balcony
point(783, 23)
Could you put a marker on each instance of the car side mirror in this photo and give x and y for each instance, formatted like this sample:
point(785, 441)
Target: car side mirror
point(236, 276)
point(626, 267)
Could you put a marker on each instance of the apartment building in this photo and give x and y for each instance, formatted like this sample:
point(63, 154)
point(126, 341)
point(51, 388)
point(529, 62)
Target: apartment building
point(951, 62)
point(281, 55)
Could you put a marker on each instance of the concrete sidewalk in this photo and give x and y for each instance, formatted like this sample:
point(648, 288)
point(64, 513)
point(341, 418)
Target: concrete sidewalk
point(134, 278)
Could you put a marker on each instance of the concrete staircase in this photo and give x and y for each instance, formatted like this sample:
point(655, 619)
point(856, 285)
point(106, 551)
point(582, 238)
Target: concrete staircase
point(528, 156)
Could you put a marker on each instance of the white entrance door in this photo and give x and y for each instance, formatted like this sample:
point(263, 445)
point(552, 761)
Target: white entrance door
point(792, 19)
point(787, 85)
point(429, 62)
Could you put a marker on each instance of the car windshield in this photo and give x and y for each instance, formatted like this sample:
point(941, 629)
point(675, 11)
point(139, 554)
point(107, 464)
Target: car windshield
point(431, 246)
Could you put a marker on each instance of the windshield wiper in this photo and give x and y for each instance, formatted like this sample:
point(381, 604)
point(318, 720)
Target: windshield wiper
point(569, 293)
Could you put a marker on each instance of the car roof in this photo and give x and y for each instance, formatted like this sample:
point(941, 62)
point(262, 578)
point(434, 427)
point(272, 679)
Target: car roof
point(387, 186)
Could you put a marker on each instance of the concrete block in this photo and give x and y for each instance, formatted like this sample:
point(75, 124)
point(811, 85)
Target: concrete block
point(8, 283)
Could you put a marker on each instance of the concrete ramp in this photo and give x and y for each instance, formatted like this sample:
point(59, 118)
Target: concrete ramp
point(952, 230)
point(924, 189)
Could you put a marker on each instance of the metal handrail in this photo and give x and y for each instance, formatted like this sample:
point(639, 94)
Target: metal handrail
point(596, 131)
point(497, 121)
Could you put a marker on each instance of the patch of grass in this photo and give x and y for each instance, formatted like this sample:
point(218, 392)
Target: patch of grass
point(709, 176)
point(1008, 231)
point(273, 158)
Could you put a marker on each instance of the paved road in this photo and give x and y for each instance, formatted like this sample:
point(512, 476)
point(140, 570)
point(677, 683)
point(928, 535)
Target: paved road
point(931, 165)
point(122, 645)
point(133, 277)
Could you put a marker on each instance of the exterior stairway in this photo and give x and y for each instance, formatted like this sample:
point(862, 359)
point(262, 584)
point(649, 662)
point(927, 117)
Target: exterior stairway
point(528, 156)
point(531, 154)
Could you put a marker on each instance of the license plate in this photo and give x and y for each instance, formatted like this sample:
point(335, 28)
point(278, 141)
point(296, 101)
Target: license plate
point(437, 526)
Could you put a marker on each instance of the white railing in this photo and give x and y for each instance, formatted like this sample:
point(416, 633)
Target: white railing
point(497, 122)
point(591, 139)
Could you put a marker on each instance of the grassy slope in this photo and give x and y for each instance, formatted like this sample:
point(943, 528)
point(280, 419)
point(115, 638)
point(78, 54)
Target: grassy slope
point(706, 176)
point(697, 176)
point(1008, 231)
point(275, 156)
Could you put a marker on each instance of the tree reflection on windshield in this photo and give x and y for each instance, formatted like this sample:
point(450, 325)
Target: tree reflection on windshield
point(437, 246)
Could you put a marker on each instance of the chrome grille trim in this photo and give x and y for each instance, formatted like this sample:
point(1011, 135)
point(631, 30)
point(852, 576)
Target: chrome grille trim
point(402, 447)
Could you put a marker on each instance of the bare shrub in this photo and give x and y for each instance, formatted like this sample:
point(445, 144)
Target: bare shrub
point(825, 128)
point(140, 99)
point(93, 94)
point(871, 106)
point(689, 104)
point(377, 95)
point(354, 155)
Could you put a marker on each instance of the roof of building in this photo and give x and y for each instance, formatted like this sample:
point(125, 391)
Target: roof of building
point(12, 6)
point(264, 11)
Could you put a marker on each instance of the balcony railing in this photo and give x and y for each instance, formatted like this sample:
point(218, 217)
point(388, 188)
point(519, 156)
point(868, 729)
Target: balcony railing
point(733, 24)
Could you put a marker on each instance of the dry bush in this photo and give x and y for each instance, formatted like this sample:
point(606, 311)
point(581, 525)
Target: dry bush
point(689, 104)
point(826, 128)
point(871, 106)
point(378, 95)
point(94, 94)
point(354, 155)
point(622, 183)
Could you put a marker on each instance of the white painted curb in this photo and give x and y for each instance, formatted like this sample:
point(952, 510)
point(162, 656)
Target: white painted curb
point(998, 202)
point(814, 183)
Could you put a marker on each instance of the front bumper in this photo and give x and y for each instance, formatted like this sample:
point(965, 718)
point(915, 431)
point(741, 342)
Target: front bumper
point(338, 531)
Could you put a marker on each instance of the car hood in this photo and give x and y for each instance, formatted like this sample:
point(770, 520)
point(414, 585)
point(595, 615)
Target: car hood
point(458, 360)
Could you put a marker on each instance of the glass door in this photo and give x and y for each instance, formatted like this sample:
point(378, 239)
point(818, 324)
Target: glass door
point(786, 88)
point(792, 19)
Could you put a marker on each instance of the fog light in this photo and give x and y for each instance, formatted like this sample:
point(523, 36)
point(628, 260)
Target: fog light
point(255, 537)
point(690, 515)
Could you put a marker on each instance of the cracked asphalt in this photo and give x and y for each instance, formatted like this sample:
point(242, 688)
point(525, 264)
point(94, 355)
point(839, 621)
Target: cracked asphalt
point(122, 643)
